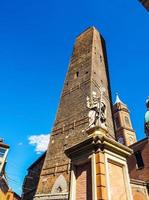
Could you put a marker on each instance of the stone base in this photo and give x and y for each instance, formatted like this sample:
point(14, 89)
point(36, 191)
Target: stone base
point(110, 176)
point(61, 196)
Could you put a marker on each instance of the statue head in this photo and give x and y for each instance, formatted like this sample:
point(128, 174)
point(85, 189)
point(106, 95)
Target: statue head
point(94, 94)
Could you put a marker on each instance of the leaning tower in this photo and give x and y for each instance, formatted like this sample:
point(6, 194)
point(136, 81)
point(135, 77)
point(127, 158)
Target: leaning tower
point(83, 158)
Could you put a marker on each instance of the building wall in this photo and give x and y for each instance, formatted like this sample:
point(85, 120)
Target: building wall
point(83, 182)
point(32, 178)
point(142, 173)
point(139, 190)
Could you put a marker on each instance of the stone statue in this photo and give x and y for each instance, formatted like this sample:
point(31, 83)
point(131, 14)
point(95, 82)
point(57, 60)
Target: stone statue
point(147, 118)
point(97, 110)
point(93, 105)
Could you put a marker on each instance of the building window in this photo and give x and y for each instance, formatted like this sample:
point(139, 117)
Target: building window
point(76, 75)
point(127, 121)
point(100, 58)
point(131, 140)
point(121, 140)
point(139, 159)
point(2, 152)
point(117, 122)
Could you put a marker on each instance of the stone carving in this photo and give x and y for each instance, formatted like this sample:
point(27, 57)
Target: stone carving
point(93, 105)
point(97, 110)
point(60, 185)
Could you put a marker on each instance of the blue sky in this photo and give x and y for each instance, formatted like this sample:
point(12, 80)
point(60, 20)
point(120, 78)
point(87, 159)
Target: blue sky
point(36, 40)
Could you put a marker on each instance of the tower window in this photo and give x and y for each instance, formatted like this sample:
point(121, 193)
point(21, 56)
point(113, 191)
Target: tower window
point(139, 159)
point(127, 121)
point(117, 122)
point(76, 75)
point(131, 140)
point(100, 58)
point(2, 152)
point(121, 140)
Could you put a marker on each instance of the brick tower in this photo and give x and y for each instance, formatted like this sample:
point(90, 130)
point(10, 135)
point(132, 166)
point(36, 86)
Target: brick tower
point(83, 123)
point(123, 126)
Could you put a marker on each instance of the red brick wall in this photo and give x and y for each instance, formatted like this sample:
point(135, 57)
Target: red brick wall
point(141, 174)
point(84, 182)
point(31, 179)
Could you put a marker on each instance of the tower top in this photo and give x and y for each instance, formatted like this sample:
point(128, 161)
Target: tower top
point(118, 100)
point(123, 126)
point(90, 28)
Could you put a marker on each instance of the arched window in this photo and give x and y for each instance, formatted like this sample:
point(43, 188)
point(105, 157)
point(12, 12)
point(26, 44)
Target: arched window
point(121, 140)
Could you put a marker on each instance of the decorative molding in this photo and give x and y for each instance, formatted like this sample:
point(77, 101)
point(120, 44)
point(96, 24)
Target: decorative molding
point(63, 196)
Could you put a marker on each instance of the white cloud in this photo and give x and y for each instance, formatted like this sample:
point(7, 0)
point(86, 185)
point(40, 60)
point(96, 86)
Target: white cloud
point(20, 143)
point(40, 142)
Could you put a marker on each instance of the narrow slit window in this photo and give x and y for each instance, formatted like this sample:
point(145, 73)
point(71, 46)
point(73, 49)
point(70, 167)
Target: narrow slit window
point(139, 160)
point(117, 122)
point(76, 75)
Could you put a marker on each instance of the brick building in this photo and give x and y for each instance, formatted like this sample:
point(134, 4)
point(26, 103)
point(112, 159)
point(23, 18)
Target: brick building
point(138, 162)
point(90, 142)
point(32, 178)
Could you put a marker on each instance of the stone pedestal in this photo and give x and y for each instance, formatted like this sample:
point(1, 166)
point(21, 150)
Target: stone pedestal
point(110, 179)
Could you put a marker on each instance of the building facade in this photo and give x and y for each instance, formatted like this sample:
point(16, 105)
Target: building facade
point(32, 178)
point(138, 162)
